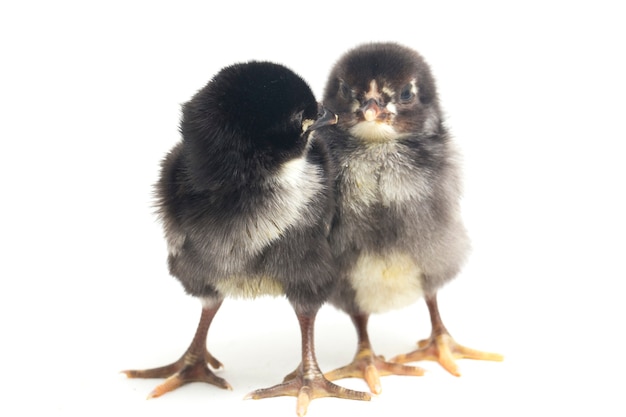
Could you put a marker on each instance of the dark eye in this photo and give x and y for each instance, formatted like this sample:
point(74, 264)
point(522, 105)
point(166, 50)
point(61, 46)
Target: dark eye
point(296, 118)
point(406, 94)
point(345, 90)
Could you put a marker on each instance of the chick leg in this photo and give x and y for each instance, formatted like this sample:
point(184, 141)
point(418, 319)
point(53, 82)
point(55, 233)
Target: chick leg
point(192, 366)
point(366, 364)
point(441, 347)
point(307, 382)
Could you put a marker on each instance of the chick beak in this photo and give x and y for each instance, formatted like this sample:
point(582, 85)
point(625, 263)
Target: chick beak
point(326, 118)
point(371, 110)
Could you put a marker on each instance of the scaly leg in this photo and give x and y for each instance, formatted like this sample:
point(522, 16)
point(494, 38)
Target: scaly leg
point(192, 366)
point(307, 382)
point(441, 347)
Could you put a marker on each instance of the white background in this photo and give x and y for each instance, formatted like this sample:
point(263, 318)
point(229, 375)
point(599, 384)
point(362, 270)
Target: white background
point(90, 101)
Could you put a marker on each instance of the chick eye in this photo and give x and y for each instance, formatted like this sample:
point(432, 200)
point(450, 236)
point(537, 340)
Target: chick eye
point(406, 94)
point(345, 90)
point(296, 118)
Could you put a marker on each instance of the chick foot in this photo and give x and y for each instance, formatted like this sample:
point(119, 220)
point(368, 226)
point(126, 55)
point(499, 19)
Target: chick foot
point(370, 367)
point(366, 364)
point(441, 347)
point(307, 382)
point(191, 367)
point(307, 386)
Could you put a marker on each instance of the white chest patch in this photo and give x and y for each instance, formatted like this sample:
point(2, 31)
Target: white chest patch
point(384, 283)
point(289, 193)
point(298, 182)
point(294, 186)
point(380, 173)
point(373, 131)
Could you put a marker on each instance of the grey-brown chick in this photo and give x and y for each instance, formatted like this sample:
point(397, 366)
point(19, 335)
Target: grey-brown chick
point(245, 200)
point(397, 235)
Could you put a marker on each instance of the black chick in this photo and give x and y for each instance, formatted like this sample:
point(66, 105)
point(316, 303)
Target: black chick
point(245, 200)
point(397, 234)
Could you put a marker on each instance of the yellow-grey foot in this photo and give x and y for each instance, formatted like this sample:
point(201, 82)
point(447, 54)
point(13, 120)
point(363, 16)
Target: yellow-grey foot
point(192, 366)
point(370, 367)
point(443, 349)
point(307, 388)
point(185, 370)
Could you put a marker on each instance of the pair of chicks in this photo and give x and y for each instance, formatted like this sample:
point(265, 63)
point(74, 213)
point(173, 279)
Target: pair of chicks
point(355, 203)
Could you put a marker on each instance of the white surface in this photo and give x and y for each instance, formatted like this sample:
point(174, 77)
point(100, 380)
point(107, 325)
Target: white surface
point(90, 96)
